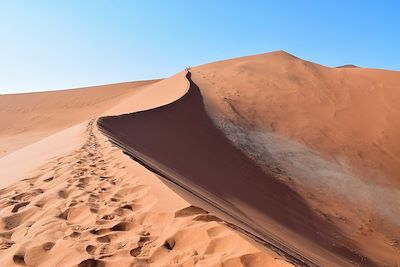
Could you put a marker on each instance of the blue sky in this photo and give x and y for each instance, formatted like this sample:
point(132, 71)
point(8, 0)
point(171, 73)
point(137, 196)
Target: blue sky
point(47, 45)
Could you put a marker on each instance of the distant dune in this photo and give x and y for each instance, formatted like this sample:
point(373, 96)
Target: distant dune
point(265, 160)
point(29, 117)
point(347, 66)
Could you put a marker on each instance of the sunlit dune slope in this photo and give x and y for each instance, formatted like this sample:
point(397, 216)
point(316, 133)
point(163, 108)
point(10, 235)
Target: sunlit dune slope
point(27, 118)
point(180, 143)
point(349, 115)
point(74, 199)
point(332, 134)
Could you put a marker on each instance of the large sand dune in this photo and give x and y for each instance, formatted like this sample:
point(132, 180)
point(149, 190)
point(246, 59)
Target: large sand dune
point(330, 133)
point(27, 118)
point(192, 153)
point(296, 162)
point(75, 199)
point(349, 115)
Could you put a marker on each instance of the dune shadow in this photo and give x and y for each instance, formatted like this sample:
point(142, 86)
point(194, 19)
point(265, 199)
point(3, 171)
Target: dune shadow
point(181, 144)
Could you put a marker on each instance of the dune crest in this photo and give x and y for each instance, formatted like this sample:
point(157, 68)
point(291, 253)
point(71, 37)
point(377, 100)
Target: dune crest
point(154, 95)
point(347, 66)
point(329, 133)
point(221, 179)
point(91, 205)
point(348, 115)
point(266, 160)
point(96, 207)
point(30, 117)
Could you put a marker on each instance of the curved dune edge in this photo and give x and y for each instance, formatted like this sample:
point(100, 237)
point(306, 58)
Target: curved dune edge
point(348, 115)
point(180, 143)
point(330, 133)
point(31, 138)
point(97, 207)
point(30, 117)
point(90, 204)
point(152, 96)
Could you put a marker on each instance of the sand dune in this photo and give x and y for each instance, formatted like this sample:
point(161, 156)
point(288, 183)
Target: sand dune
point(348, 66)
point(349, 115)
point(195, 156)
point(27, 118)
point(91, 208)
point(298, 164)
point(25, 161)
point(78, 200)
point(152, 96)
point(329, 133)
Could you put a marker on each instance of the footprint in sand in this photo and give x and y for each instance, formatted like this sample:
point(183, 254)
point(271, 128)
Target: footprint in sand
point(19, 205)
point(19, 259)
point(91, 203)
point(91, 263)
point(141, 243)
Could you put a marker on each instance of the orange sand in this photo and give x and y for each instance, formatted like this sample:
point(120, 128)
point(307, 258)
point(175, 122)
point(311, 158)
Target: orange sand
point(70, 197)
point(330, 133)
point(75, 199)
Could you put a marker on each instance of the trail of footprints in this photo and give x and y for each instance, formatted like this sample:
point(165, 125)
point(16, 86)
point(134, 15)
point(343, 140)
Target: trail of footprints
point(88, 209)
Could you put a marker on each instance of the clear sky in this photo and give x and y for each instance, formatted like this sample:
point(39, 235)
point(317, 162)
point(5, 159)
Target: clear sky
point(47, 45)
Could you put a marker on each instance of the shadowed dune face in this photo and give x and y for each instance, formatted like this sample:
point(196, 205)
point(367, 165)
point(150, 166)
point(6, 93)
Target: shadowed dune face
point(349, 115)
point(74, 199)
point(29, 117)
point(94, 206)
point(315, 124)
point(330, 133)
point(302, 158)
point(180, 142)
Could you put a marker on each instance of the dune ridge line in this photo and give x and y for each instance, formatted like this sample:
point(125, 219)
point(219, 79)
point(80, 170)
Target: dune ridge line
point(147, 135)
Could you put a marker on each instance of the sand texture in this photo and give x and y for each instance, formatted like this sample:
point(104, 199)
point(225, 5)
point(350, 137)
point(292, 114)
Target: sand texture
point(266, 160)
point(231, 185)
point(30, 117)
point(89, 204)
point(329, 133)
point(95, 207)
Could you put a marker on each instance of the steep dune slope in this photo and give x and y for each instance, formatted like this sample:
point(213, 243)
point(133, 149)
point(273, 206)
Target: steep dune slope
point(27, 118)
point(152, 96)
point(329, 133)
point(96, 207)
point(350, 115)
point(179, 142)
point(297, 156)
point(77, 200)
